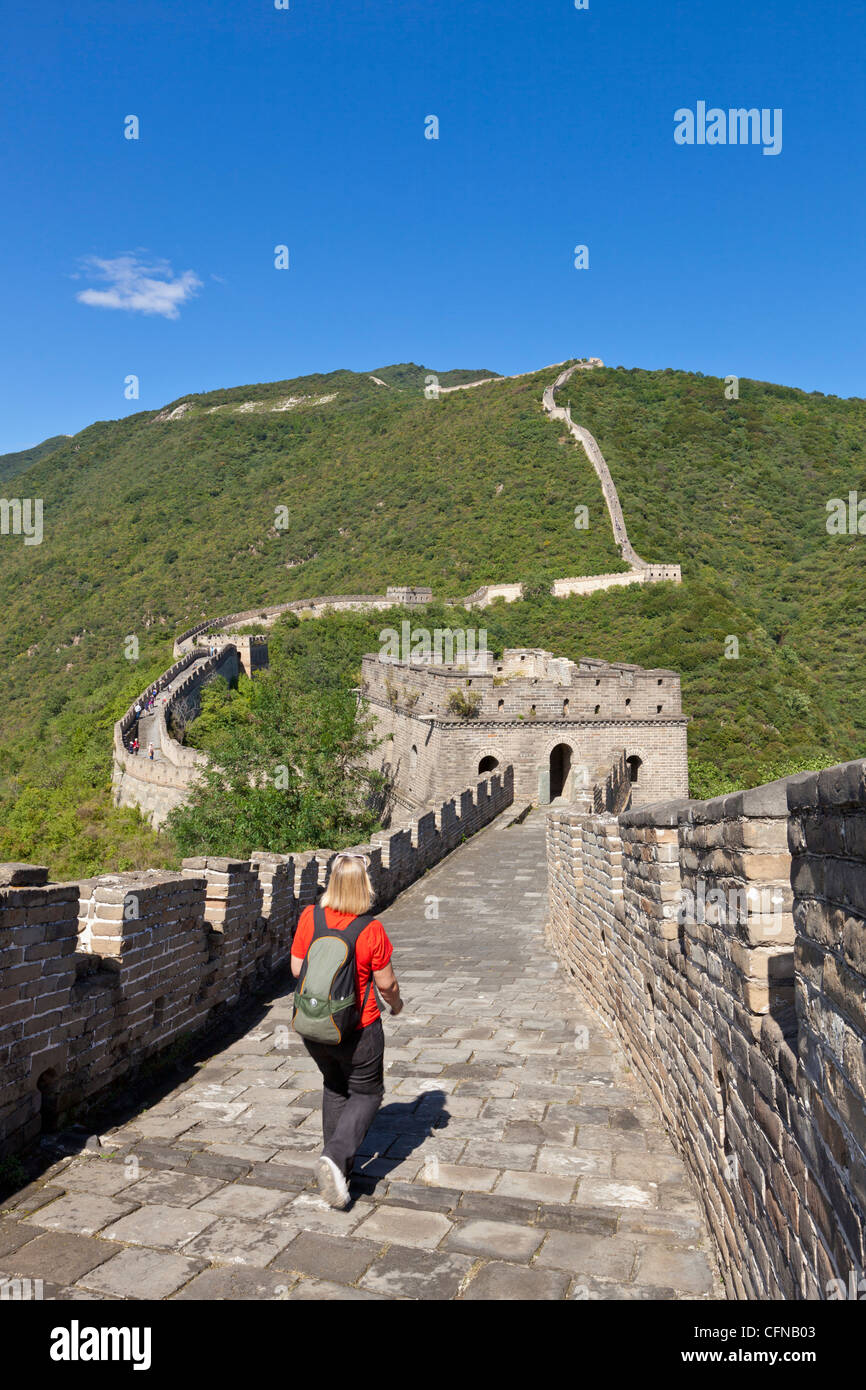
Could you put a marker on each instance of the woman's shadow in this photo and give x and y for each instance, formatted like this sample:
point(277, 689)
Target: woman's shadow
point(399, 1129)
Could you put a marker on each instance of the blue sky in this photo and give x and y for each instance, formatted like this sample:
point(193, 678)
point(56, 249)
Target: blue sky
point(306, 127)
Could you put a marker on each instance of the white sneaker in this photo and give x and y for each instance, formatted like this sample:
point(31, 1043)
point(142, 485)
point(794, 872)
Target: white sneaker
point(332, 1184)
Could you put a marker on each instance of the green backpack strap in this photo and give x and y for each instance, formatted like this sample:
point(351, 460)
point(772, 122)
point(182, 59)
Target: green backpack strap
point(353, 931)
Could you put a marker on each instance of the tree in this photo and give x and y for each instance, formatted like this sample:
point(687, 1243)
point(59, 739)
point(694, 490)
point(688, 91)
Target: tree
point(287, 774)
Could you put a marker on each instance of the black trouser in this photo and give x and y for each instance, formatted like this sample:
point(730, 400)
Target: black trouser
point(353, 1073)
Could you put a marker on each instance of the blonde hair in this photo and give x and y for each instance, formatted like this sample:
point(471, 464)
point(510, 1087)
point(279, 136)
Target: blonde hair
point(349, 888)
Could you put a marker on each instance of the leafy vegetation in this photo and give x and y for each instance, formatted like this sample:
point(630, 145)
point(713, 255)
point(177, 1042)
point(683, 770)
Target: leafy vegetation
point(13, 464)
point(150, 526)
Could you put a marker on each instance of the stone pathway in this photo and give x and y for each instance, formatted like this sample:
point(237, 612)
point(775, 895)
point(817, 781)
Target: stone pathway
point(515, 1157)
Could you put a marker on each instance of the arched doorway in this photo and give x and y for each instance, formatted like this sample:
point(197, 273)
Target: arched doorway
point(488, 764)
point(634, 764)
point(560, 767)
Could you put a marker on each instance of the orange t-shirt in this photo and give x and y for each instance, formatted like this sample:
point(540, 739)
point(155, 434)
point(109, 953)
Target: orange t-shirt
point(372, 952)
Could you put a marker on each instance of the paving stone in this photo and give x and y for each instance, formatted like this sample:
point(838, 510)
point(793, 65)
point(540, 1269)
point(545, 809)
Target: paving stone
point(81, 1214)
point(543, 1187)
point(574, 1162)
point(688, 1271)
point(338, 1258)
point(420, 1195)
point(99, 1177)
point(515, 1157)
point(515, 1110)
point(309, 1212)
point(159, 1226)
point(229, 1240)
point(661, 1225)
point(587, 1288)
point(612, 1256)
point(301, 1162)
point(14, 1234)
point(597, 1192)
point(502, 1090)
point(141, 1274)
point(172, 1189)
point(648, 1167)
point(405, 1226)
point(500, 1282)
point(538, 1134)
point(396, 1169)
point(160, 1156)
point(490, 1206)
point(416, 1274)
point(277, 1175)
point(57, 1256)
point(240, 1284)
point(255, 1153)
point(579, 1220)
point(464, 1177)
point(321, 1291)
point(607, 1139)
point(210, 1165)
point(496, 1240)
point(163, 1126)
point(245, 1200)
point(29, 1199)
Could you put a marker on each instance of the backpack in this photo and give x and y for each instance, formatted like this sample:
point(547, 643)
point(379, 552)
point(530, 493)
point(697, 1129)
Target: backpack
point(326, 1003)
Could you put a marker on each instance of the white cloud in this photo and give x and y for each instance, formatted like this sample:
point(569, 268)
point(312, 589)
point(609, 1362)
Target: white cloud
point(144, 287)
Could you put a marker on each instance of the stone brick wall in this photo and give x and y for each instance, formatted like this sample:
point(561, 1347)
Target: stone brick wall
point(726, 942)
point(530, 703)
point(98, 977)
point(593, 583)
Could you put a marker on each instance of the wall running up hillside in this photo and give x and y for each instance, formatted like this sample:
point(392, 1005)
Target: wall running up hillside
point(726, 942)
point(102, 975)
point(158, 787)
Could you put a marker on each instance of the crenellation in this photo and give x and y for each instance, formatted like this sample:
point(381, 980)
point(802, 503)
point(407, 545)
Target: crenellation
point(730, 984)
point(101, 975)
point(561, 724)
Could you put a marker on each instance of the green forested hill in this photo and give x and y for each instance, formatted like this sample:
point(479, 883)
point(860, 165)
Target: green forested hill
point(151, 524)
point(13, 464)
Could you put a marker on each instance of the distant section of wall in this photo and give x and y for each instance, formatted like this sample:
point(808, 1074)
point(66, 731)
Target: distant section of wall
point(157, 790)
point(593, 583)
point(484, 596)
point(100, 976)
point(527, 705)
point(726, 942)
point(157, 786)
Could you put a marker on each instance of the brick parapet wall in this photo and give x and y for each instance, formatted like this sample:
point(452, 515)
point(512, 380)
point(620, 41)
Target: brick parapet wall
point(100, 976)
point(726, 942)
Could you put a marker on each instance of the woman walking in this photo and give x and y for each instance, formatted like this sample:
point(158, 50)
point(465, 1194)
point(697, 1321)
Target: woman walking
point(352, 1065)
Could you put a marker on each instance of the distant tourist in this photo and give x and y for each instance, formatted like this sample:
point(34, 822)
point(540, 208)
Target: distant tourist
point(138, 711)
point(150, 751)
point(343, 1031)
